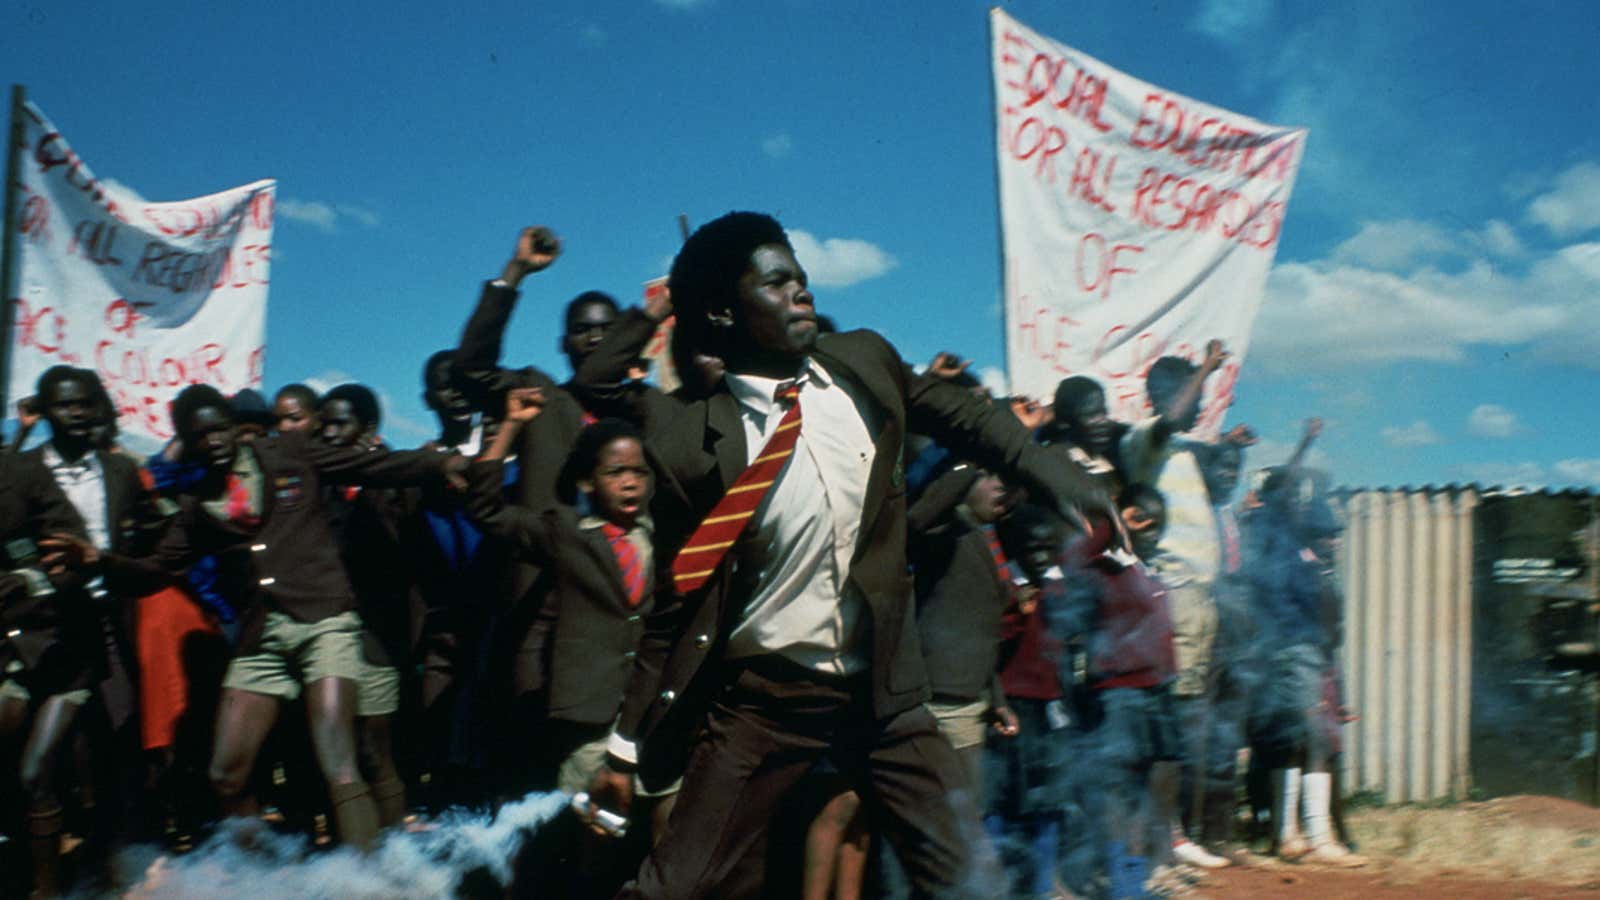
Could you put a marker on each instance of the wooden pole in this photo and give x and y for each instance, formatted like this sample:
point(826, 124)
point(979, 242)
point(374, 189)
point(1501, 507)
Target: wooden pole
point(8, 243)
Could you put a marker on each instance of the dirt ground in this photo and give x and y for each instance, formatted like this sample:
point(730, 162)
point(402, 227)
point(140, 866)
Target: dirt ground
point(1503, 849)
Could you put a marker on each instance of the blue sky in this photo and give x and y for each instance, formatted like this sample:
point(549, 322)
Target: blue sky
point(1433, 292)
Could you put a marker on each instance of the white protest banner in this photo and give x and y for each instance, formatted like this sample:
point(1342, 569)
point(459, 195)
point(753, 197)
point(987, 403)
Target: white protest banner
point(151, 296)
point(1137, 223)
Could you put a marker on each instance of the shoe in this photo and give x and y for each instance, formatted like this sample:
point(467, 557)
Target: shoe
point(1192, 854)
point(1292, 848)
point(1333, 853)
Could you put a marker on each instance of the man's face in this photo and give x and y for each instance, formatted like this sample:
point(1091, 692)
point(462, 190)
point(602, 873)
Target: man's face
point(1222, 473)
point(292, 415)
point(776, 315)
point(586, 328)
point(340, 425)
point(70, 410)
point(210, 439)
point(441, 396)
point(1089, 424)
point(989, 499)
point(620, 485)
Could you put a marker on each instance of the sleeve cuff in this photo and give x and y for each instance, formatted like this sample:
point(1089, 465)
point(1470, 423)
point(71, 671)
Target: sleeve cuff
point(622, 750)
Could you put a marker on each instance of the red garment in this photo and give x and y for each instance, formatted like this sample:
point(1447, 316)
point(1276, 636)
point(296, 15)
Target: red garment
point(1132, 646)
point(722, 527)
point(1032, 669)
point(163, 623)
point(628, 561)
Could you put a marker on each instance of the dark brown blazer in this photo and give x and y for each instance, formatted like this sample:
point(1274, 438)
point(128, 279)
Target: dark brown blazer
point(290, 561)
point(31, 507)
point(587, 635)
point(698, 447)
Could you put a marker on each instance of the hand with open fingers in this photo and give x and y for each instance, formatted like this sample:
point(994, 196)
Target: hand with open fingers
point(610, 790)
point(524, 404)
point(947, 365)
point(1027, 599)
point(28, 411)
point(1031, 413)
point(1313, 428)
point(1216, 355)
point(1003, 721)
point(61, 553)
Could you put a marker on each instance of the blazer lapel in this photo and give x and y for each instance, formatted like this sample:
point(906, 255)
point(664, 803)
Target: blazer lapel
point(887, 471)
point(599, 548)
point(725, 431)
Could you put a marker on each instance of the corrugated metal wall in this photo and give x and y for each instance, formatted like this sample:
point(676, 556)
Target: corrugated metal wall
point(1407, 567)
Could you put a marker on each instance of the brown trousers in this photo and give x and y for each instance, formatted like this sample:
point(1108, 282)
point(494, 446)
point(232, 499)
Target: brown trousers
point(771, 722)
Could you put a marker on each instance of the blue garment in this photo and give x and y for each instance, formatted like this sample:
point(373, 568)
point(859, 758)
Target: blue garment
point(173, 478)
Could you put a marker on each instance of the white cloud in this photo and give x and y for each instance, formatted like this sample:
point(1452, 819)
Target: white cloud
point(1577, 471)
point(328, 378)
point(1395, 245)
point(839, 262)
point(325, 216)
point(685, 5)
point(309, 212)
point(1500, 239)
point(1493, 421)
point(1232, 21)
point(1504, 474)
point(1573, 206)
point(1325, 315)
point(777, 146)
point(1417, 434)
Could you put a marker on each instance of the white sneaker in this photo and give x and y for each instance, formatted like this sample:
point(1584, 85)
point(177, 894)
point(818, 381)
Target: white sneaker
point(1333, 853)
point(1190, 853)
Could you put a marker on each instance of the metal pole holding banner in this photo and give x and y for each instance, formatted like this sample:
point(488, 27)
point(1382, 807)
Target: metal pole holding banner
point(999, 219)
point(8, 243)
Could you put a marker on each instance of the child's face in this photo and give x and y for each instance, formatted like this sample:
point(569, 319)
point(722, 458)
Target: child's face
point(1145, 521)
point(620, 485)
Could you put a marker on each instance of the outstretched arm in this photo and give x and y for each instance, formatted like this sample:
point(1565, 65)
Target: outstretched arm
point(523, 528)
point(1182, 405)
point(476, 371)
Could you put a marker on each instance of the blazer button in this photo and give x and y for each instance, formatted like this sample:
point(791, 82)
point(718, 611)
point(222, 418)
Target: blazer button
point(13, 632)
point(257, 548)
point(667, 697)
point(269, 581)
point(702, 641)
point(634, 617)
point(629, 655)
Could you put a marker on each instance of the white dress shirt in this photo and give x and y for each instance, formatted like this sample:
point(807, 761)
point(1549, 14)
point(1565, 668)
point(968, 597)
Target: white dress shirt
point(803, 535)
point(84, 483)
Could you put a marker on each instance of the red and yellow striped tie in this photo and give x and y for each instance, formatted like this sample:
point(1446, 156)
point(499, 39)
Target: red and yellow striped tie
point(721, 528)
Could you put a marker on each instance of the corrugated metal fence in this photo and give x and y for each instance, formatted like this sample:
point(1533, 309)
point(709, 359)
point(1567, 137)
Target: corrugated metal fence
point(1408, 568)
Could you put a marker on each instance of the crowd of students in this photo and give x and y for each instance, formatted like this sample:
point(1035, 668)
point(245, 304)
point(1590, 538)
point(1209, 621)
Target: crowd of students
point(815, 623)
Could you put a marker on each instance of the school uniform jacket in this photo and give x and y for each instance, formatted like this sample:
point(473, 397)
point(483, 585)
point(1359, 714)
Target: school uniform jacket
point(587, 636)
point(289, 562)
point(698, 450)
point(31, 614)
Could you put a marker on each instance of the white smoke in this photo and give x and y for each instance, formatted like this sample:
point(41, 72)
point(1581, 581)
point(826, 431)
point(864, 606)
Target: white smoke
point(245, 860)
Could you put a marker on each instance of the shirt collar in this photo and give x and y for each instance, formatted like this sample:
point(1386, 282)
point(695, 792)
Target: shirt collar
point(758, 392)
point(643, 522)
point(53, 460)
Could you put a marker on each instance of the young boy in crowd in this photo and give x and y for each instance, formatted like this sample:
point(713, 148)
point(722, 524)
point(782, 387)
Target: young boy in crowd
point(603, 575)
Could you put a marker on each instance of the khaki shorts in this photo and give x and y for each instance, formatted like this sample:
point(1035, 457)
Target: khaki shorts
point(378, 691)
point(962, 724)
point(294, 654)
point(11, 687)
point(578, 769)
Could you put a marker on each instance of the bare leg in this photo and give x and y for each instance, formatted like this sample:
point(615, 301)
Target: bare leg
point(823, 841)
point(51, 728)
point(331, 711)
point(243, 722)
point(376, 749)
point(851, 873)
